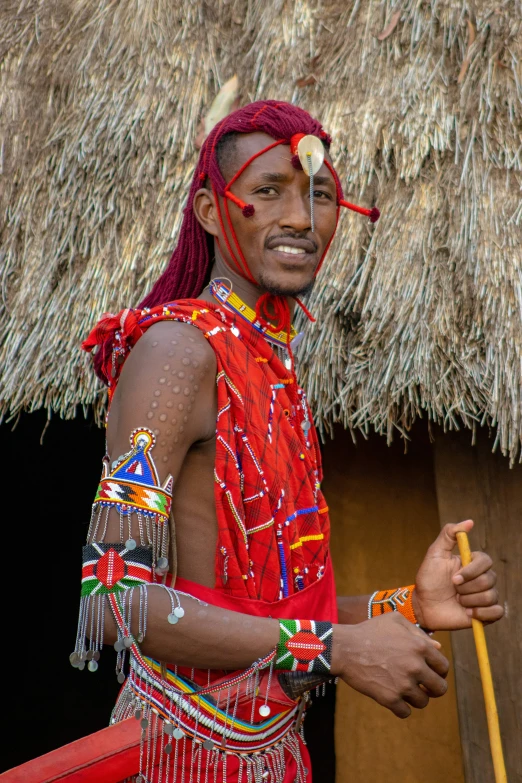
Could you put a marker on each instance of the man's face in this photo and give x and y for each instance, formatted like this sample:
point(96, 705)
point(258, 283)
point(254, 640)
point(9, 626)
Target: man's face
point(277, 242)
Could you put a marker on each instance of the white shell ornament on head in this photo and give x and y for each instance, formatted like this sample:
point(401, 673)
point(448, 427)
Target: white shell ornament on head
point(310, 148)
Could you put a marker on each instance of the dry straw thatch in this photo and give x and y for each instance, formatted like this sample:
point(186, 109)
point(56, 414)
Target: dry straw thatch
point(99, 106)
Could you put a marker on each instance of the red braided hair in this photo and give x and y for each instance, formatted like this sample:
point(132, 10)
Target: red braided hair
point(187, 272)
point(189, 266)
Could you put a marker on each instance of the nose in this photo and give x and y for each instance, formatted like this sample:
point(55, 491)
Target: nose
point(295, 213)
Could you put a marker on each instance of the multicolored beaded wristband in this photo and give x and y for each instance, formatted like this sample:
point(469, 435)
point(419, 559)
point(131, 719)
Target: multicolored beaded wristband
point(397, 600)
point(304, 646)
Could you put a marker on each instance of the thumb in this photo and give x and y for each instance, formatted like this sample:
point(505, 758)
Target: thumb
point(446, 541)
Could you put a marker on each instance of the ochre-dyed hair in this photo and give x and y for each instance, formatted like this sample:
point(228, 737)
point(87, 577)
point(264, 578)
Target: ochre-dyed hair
point(187, 272)
point(189, 266)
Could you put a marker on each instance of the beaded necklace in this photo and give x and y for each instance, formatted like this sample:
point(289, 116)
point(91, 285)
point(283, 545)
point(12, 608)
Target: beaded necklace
point(224, 294)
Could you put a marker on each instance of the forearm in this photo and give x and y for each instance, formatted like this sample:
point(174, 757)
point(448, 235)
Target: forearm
point(206, 637)
point(352, 609)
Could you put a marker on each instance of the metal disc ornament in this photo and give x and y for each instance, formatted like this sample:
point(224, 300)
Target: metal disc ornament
point(74, 660)
point(121, 678)
point(127, 642)
point(130, 544)
point(177, 734)
point(144, 723)
point(264, 710)
point(168, 748)
point(118, 645)
point(173, 618)
point(168, 728)
point(179, 611)
point(92, 666)
point(162, 564)
point(208, 744)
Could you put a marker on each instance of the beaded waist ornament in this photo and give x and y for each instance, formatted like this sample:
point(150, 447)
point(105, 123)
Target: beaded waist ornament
point(191, 732)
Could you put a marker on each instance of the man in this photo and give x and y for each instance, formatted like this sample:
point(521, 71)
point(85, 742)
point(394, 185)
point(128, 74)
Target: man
point(221, 488)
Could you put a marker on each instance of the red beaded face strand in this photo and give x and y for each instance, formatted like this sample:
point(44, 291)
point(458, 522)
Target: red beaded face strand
point(188, 270)
point(308, 154)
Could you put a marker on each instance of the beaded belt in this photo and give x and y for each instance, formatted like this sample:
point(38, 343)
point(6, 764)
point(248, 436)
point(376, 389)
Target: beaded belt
point(188, 714)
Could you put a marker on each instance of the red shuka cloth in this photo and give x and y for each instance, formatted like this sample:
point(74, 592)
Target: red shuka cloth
point(267, 477)
point(267, 480)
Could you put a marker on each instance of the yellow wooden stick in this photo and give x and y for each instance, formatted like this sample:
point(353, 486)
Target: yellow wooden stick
point(485, 675)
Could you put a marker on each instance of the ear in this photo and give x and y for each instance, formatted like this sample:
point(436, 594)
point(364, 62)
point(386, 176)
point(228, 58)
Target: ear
point(205, 211)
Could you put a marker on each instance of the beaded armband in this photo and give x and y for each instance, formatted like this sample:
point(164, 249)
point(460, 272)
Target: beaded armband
point(397, 600)
point(304, 646)
point(132, 487)
point(112, 571)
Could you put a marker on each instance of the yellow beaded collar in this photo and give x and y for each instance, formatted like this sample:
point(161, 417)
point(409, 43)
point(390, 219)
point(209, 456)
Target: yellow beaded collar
point(223, 294)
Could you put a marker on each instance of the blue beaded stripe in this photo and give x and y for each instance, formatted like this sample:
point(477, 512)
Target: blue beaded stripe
point(302, 511)
point(284, 573)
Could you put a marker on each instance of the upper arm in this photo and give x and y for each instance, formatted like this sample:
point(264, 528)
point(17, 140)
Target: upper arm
point(168, 386)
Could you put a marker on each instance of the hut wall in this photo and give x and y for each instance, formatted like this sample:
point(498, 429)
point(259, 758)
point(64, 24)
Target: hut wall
point(384, 516)
point(473, 482)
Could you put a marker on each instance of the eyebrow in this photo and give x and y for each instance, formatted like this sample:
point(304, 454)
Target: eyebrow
point(278, 177)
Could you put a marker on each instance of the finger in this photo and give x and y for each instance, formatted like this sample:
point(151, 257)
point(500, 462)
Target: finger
point(487, 598)
point(434, 685)
point(446, 541)
point(437, 661)
point(480, 563)
point(422, 635)
point(417, 697)
point(487, 614)
point(483, 582)
point(400, 708)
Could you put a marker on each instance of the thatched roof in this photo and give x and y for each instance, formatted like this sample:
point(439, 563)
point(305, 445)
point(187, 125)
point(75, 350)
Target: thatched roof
point(99, 106)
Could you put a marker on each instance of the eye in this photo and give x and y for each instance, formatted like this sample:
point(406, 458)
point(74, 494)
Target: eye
point(322, 194)
point(267, 190)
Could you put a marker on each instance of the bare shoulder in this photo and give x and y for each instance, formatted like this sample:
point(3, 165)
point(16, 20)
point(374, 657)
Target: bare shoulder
point(167, 384)
point(169, 347)
point(173, 340)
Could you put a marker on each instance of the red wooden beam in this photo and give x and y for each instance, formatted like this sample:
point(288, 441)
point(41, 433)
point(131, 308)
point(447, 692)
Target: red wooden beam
point(107, 756)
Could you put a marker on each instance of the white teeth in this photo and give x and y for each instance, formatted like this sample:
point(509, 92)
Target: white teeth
point(296, 251)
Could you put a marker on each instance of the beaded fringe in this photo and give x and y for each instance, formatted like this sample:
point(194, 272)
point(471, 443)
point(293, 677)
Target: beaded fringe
point(165, 752)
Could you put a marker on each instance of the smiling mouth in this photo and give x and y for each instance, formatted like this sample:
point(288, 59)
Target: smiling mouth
point(294, 251)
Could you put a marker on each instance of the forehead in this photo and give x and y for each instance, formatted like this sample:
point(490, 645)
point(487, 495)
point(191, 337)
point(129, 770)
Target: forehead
point(275, 160)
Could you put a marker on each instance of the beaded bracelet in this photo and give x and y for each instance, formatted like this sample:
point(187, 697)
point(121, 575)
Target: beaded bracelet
point(304, 646)
point(397, 600)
